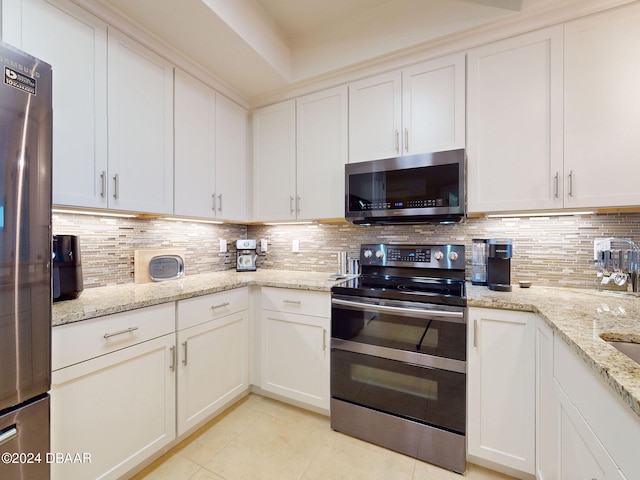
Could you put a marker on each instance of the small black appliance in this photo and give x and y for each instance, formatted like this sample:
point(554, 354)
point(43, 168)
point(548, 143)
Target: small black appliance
point(499, 264)
point(67, 268)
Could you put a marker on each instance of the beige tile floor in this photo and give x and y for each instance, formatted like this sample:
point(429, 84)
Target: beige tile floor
point(262, 439)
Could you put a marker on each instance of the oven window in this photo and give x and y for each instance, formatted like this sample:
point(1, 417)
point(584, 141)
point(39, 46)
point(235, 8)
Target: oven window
point(426, 395)
point(432, 337)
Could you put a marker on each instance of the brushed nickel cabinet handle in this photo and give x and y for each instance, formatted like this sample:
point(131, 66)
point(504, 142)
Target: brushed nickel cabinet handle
point(120, 332)
point(324, 339)
point(571, 183)
point(172, 367)
point(475, 334)
point(556, 184)
point(406, 139)
point(290, 203)
point(184, 352)
point(103, 183)
point(298, 203)
point(294, 302)
point(397, 141)
point(213, 201)
point(219, 202)
point(225, 304)
point(116, 182)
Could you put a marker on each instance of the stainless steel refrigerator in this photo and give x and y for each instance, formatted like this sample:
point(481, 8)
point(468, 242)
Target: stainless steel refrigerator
point(25, 265)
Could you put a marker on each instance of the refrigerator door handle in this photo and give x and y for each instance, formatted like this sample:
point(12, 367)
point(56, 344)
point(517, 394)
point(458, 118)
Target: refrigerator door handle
point(8, 434)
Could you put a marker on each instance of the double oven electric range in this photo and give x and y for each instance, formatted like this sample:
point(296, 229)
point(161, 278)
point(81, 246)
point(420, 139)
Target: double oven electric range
point(398, 352)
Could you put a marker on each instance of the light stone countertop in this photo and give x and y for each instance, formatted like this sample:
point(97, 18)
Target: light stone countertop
point(100, 301)
point(578, 317)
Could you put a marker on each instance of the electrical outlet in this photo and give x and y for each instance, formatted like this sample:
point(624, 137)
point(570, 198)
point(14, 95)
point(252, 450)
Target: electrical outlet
point(295, 246)
point(223, 245)
point(264, 245)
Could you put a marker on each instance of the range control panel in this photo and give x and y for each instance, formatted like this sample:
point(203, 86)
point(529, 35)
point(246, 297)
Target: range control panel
point(417, 256)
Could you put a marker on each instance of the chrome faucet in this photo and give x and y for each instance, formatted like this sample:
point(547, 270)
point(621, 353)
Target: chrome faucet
point(618, 262)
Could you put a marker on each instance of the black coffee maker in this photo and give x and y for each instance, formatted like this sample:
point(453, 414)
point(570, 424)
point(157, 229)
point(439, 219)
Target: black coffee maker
point(67, 268)
point(499, 264)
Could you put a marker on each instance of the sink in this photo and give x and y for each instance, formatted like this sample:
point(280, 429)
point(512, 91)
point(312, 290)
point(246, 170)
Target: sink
point(631, 350)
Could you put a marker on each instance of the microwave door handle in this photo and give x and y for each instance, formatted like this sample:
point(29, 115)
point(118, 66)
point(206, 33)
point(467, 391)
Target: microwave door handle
point(444, 315)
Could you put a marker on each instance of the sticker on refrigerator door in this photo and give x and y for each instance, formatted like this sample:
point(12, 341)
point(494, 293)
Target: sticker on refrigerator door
point(19, 80)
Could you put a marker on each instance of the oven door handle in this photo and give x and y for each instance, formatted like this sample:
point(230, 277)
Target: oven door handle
point(445, 315)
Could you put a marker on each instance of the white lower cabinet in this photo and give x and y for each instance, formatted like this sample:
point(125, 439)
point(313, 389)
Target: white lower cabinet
point(546, 421)
point(113, 399)
point(213, 359)
point(581, 455)
point(501, 390)
point(295, 345)
point(596, 431)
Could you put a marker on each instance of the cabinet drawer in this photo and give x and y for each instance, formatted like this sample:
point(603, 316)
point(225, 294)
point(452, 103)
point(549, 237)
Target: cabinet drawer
point(77, 342)
point(296, 301)
point(195, 311)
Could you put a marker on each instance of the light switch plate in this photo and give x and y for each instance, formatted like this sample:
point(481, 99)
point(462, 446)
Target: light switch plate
point(264, 245)
point(295, 246)
point(223, 245)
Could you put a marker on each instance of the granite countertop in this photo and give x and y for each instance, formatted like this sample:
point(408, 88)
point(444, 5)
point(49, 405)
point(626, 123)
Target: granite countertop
point(97, 302)
point(579, 317)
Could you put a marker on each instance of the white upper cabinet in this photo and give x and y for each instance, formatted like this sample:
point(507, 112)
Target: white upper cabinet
point(322, 151)
point(274, 168)
point(416, 110)
point(75, 44)
point(433, 105)
point(602, 109)
point(140, 109)
point(231, 160)
point(514, 123)
point(300, 149)
point(375, 117)
point(195, 154)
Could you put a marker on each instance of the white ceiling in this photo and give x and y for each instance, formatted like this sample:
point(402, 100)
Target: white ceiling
point(261, 46)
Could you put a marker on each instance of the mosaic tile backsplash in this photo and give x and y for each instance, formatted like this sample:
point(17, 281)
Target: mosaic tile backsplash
point(551, 251)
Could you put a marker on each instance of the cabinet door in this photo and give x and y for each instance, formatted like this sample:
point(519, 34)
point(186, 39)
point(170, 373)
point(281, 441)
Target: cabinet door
point(546, 417)
point(433, 105)
point(140, 106)
point(195, 127)
point(295, 357)
point(213, 367)
point(274, 156)
point(119, 408)
point(72, 41)
point(231, 160)
point(514, 128)
point(375, 117)
point(322, 152)
point(581, 455)
point(501, 379)
point(602, 109)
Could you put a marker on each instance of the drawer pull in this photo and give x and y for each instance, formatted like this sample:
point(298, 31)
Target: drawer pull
point(9, 434)
point(225, 304)
point(121, 332)
point(293, 302)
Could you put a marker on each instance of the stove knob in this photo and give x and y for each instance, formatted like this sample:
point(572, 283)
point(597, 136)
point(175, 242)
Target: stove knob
point(368, 253)
point(438, 255)
point(379, 254)
point(453, 256)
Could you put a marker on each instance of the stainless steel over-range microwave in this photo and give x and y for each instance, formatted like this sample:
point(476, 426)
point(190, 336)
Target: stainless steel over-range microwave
point(425, 188)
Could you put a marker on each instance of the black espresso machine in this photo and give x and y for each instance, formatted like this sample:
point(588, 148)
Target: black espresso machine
point(67, 268)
